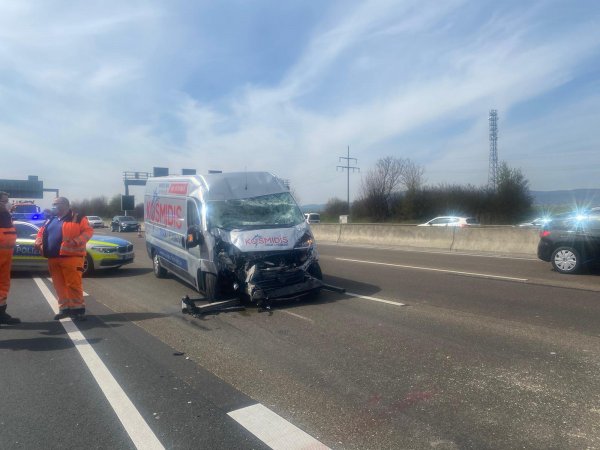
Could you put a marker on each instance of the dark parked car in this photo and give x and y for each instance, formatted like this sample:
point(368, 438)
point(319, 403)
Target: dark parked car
point(124, 223)
point(571, 241)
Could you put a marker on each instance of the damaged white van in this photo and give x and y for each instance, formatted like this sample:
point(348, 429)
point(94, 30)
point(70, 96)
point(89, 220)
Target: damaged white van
point(231, 235)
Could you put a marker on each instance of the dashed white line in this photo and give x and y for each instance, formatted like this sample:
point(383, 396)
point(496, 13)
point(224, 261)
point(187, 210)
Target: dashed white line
point(375, 299)
point(133, 422)
point(431, 269)
point(274, 430)
point(298, 316)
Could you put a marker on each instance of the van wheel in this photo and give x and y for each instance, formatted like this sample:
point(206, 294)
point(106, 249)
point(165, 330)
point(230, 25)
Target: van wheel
point(159, 271)
point(88, 265)
point(210, 287)
point(566, 260)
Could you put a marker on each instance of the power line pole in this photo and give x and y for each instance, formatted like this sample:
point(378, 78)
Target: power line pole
point(348, 167)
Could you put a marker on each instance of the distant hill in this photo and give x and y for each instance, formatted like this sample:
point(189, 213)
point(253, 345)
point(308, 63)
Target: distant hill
point(313, 207)
point(586, 197)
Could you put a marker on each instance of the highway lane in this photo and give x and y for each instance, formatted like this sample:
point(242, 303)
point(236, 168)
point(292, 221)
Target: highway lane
point(62, 391)
point(469, 362)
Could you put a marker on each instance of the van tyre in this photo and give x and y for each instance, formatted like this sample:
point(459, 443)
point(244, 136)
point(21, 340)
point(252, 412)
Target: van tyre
point(210, 287)
point(566, 260)
point(159, 271)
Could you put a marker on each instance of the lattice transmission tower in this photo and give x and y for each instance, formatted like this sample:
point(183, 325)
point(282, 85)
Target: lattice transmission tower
point(493, 163)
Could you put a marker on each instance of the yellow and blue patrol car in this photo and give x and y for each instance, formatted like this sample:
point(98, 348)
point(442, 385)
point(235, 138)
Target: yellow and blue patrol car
point(102, 252)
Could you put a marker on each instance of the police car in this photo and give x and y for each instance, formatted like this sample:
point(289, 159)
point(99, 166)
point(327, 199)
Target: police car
point(26, 210)
point(102, 252)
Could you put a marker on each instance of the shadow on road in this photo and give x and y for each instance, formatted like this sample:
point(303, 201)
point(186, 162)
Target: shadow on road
point(323, 297)
point(121, 272)
point(40, 344)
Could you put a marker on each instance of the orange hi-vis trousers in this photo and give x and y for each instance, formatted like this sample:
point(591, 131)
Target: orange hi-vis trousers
point(66, 273)
point(5, 264)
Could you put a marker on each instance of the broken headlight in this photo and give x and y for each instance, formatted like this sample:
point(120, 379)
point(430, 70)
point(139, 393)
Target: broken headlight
point(305, 242)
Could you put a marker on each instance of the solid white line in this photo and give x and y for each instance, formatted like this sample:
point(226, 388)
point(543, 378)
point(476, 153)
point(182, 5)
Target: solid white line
point(420, 250)
point(471, 274)
point(274, 430)
point(135, 426)
point(374, 299)
point(85, 294)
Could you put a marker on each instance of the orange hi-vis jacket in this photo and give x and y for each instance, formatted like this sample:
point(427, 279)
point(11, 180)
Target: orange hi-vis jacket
point(76, 231)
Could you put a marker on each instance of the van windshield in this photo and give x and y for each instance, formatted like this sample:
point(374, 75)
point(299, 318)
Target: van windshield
point(265, 211)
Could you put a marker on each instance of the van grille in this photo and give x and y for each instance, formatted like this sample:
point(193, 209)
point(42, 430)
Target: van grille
point(273, 279)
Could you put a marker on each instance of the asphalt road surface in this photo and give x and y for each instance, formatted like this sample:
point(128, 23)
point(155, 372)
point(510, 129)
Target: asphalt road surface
point(425, 350)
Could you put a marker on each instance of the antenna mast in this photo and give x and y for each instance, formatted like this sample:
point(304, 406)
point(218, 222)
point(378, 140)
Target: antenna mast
point(493, 162)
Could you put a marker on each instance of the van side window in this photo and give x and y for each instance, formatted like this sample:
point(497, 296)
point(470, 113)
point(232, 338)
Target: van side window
point(193, 216)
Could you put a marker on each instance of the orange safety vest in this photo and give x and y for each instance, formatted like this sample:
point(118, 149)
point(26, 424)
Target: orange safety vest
point(8, 238)
point(76, 231)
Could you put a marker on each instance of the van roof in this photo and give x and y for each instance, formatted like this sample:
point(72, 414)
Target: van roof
point(232, 185)
point(224, 186)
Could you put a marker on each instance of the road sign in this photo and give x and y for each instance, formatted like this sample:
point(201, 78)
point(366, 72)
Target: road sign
point(30, 188)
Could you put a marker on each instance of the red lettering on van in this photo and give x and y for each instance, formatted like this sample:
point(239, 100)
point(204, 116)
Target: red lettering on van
point(178, 188)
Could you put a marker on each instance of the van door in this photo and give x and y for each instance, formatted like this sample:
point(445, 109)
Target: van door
point(199, 252)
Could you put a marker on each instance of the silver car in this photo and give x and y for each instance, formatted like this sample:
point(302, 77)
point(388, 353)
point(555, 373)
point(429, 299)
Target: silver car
point(95, 221)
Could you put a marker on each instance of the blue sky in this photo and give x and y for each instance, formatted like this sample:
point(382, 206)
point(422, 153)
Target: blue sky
point(91, 89)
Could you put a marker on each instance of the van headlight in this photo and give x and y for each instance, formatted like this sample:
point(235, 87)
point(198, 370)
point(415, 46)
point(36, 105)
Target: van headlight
point(305, 242)
point(105, 249)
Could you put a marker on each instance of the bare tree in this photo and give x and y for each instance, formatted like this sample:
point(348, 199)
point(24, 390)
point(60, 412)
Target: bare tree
point(412, 176)
point(389, 176)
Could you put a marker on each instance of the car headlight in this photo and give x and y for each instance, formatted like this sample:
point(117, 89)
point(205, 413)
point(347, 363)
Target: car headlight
point(105, 249)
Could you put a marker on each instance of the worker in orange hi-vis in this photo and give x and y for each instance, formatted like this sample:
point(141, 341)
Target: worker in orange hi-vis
point(8, 238)
point(62, 240)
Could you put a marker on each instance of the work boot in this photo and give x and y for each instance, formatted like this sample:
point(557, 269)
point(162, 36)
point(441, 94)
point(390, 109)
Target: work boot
point(78, 314)
point(62, 314)
point(7, 318)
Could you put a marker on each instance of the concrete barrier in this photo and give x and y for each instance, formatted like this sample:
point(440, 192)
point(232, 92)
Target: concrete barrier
point(512, 240)
point(387, 234)
point(497, 240)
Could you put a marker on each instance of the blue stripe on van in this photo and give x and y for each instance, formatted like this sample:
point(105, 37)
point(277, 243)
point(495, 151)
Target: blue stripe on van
point(173, 259)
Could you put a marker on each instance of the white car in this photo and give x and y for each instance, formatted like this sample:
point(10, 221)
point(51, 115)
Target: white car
point(451, 221)
point(95, 221)
point(312, 217)
point(538, 222)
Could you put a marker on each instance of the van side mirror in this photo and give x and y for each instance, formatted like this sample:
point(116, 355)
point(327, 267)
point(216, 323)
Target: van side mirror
point(194, 237)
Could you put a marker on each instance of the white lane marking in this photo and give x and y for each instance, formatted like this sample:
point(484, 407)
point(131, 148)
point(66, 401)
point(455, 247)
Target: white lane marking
point(374, 299)
point(85, 294)
point(134, 424)
point(298, 316)
point(274, 430)
point(435, 252)
point(456, 272)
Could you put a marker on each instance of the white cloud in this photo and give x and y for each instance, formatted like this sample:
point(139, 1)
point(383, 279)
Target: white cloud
point(101, 89)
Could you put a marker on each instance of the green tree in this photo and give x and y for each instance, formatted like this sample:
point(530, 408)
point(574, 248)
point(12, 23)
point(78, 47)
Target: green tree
point(513, 201)
point(334, 208)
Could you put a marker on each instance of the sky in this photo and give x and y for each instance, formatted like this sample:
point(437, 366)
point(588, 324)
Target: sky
point(89, 90)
